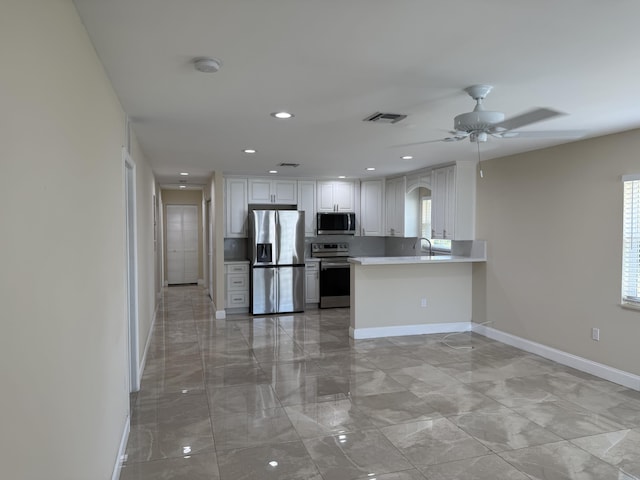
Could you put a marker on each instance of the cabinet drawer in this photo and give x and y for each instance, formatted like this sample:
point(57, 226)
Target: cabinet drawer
point(237, 282)
point(237, 268)
point(311, 266)
point(237, 299)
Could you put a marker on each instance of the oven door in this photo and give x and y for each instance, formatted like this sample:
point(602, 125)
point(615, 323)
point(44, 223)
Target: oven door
point(334, 283)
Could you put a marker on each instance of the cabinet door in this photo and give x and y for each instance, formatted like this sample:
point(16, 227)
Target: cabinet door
point(372, 208)
point(443, 200)
point(395, 193)
point(336, 196)
point(345, 196)
point(307, 204)
point(236, 207)
point(312, 285)
point(326, 202)
point(450, 212)
point(260, 190)
point(285, 192)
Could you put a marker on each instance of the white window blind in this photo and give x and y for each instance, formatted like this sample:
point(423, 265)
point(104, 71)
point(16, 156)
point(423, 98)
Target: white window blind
point(631, 241)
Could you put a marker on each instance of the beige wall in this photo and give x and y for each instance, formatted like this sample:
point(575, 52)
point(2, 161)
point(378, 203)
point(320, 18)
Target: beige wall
point(149, 285)
point(215, 192)
point(63, 348)
point(390, 295)
point(552, 220)
point(185, 197)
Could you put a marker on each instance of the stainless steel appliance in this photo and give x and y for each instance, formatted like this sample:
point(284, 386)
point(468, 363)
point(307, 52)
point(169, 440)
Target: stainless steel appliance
point(276, 252)
point(336, 223)
point(335, 288)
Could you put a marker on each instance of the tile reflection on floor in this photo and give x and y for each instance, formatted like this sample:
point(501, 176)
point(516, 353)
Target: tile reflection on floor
point(293, 397)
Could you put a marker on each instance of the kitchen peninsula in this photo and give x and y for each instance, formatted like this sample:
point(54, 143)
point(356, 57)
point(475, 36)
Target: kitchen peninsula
point(411, 295)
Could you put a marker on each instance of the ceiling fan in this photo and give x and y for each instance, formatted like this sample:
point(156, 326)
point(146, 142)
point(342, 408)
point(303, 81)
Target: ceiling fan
point(479, 124)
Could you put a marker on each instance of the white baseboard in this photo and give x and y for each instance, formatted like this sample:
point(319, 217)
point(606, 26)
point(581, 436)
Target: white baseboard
point(143, 360)
point(606, 372)
point(221, 314)
point(122, 449)
point(401, 330)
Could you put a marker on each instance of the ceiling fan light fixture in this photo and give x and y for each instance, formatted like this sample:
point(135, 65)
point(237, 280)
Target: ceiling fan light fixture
point(477, 120)
point(207, 64)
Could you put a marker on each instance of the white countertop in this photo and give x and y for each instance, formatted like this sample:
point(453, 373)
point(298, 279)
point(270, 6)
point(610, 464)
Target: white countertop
point(412, 260)
point(230, 262)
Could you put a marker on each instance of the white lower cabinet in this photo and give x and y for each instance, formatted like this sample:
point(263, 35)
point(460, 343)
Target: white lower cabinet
point(236, 275)
point(312, 282)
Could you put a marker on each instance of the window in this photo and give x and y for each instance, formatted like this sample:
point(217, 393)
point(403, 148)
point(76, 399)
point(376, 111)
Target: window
point(631, 241)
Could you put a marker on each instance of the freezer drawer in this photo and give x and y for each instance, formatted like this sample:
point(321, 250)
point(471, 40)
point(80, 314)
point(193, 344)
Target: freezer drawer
point(277, 289)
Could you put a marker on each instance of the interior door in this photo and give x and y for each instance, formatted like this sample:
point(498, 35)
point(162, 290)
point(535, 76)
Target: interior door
point(182, 244)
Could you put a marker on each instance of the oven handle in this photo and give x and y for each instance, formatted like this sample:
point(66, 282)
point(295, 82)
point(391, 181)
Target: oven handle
point(333, 265)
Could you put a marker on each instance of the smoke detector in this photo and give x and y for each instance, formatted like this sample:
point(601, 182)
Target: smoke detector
point(207, 65)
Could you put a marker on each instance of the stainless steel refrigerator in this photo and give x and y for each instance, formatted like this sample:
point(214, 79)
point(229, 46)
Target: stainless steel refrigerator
point(276, 251)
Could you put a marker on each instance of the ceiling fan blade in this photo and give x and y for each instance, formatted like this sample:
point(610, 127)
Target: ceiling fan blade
point(527, 118)
point(446, 139)
point(545, 134)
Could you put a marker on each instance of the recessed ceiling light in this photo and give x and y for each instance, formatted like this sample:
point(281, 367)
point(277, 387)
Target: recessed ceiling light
point(282, 115)
point(249, 150)
point(342, 176)
point(370, 169)
point(184, 174)
point(273, 171)
point(182, 187)
point(407, 157)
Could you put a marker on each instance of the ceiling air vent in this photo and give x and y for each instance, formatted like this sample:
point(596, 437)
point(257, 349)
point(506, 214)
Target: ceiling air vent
point(379, 117)
point(284, 164)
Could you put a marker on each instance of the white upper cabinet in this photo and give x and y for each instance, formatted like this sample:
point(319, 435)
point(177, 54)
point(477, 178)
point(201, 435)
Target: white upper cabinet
point(372, 208)
point(307, 204)
point(453, 201)
point(267, 190)
point(465, 201)
point(336, 196)
point(401, 209)
point(236, 212)
point(394, 203)
point(443, 202)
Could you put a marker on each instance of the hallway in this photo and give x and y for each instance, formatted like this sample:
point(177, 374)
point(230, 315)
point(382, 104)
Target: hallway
point(292, 397)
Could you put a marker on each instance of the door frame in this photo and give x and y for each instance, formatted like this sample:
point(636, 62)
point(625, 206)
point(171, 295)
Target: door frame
point(131, 259)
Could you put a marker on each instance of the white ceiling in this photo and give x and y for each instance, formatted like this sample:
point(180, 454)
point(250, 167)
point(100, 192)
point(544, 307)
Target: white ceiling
point(334, 62)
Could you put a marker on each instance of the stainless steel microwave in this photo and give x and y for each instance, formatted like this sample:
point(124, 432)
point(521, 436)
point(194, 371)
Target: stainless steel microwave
point(336, 223)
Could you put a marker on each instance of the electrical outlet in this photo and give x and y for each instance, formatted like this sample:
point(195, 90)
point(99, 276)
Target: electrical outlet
point(595, 334)
point(423, 302)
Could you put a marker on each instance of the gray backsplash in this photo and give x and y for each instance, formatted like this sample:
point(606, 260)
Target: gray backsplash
point(236, 248)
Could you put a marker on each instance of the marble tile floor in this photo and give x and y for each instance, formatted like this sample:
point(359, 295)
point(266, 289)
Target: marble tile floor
point(292, 397)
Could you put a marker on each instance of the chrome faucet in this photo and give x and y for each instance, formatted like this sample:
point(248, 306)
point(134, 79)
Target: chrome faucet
point(419, 240)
